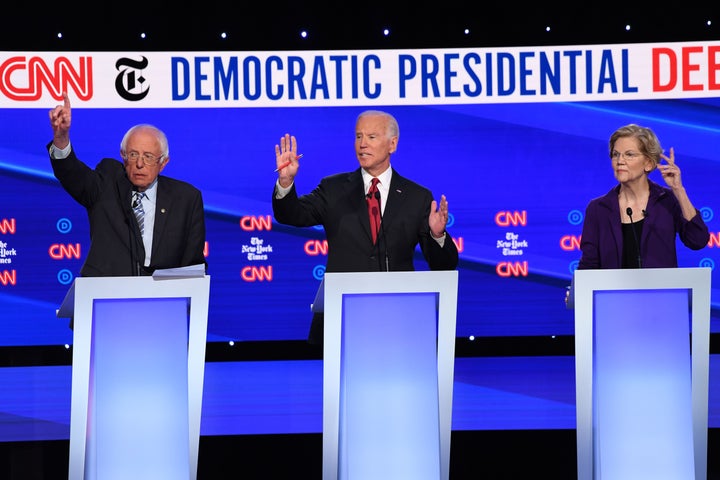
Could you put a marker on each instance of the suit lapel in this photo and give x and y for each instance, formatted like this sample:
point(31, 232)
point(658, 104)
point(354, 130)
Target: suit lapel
point(125, 193)
point(614, 227)
point(358, 202)
point(395, 199)
point(163, 204)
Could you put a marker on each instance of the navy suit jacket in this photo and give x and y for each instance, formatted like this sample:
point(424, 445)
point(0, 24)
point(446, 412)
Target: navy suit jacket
point(602, 240)
point(116, 248)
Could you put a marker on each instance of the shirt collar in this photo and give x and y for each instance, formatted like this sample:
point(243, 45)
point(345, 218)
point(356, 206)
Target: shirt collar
point(151, 191)
point(384, 178)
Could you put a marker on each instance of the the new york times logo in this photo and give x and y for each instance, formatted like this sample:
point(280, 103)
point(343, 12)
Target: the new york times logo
point(130, 82)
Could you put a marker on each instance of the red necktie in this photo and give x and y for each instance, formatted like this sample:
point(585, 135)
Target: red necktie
point(373, 201)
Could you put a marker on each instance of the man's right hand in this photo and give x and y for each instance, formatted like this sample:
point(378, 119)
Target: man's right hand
point(60, 119)
point(286, 160)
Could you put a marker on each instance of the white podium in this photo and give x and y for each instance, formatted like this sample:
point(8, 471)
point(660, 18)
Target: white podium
point(642, 340)
point(388, 363)
point(137, 376)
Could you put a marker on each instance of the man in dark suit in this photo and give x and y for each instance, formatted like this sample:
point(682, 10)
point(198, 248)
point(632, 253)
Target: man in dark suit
point(409, 214)
point(173, 227)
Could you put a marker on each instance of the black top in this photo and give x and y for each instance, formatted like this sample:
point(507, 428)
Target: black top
point(631, 245)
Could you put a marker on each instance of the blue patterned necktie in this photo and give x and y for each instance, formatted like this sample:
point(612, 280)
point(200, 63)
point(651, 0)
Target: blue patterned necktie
point(139, 211)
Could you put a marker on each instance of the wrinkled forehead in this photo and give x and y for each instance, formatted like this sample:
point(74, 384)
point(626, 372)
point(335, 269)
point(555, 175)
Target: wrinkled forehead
point(143, 141)
point(372, 124)
point(625, 144)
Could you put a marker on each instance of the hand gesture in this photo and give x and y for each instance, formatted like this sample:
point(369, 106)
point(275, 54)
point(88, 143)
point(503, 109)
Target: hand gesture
point(286, 160)
point(60, 119)
point(670, 172)
point(438, 217)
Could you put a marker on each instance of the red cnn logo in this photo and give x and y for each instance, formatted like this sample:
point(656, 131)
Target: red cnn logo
point(459, 243)
point(570, 242)
point(508, 269)
point(506, 219)
point(8, 278)
point(251, 223)
point(59, 77)
point(714, 240)
point(257, 274)
point(59, 252)
point(316, 247)
point(7, 226)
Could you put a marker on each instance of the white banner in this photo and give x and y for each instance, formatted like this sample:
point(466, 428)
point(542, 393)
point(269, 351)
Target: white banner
point(360, 77)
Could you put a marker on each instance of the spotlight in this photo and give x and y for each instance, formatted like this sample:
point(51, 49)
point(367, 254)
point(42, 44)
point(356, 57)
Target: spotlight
point(466, 31)
point(386, 32)
point(627, 27)
point(223, 35)
point(142, 35)
point(304, 34)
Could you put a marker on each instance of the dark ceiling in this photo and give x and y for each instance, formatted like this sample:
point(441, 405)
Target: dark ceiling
point(271, 25)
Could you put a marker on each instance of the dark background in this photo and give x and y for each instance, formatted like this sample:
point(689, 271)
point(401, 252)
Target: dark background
point(173, 26)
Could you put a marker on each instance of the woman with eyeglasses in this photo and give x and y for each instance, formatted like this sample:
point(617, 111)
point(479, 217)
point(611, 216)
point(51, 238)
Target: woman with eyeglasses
point(636, 223)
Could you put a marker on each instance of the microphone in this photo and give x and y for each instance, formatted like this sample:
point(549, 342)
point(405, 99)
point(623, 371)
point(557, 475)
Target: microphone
point(382, 233)
point(637, 242)
point(134, 240)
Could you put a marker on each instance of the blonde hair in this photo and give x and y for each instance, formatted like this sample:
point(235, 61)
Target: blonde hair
point(649, 143)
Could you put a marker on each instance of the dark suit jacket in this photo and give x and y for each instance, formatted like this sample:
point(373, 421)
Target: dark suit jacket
point(338, 204)
point(116, 248)
point(602, 240)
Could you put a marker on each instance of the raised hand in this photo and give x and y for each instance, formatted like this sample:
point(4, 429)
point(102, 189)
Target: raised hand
point(60, 119)
point(286, 159)
point(438, 217)
point(670, 172)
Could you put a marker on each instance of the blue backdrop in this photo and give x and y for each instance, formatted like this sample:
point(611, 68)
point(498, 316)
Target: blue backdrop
point(517, 178)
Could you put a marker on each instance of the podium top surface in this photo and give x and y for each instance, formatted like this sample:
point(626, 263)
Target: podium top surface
point(639, 279)
point(642, 278)
point(385, 282)
point(171, 286)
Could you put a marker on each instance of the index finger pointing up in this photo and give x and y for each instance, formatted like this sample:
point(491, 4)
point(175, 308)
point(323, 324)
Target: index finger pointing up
point(670, 159)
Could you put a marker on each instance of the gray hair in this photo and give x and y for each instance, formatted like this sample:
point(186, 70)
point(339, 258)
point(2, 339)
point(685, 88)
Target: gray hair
point(393, 129)
point(159, 134)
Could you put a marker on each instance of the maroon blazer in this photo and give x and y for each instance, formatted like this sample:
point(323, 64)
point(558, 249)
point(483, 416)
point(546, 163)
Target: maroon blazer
point(602, 240)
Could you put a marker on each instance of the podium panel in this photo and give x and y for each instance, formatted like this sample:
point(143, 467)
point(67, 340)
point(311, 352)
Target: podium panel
point(642, 356)
point(137, 376)
point(388, 366)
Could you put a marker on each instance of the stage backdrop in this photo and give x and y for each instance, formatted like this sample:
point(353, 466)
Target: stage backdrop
point(516, 138)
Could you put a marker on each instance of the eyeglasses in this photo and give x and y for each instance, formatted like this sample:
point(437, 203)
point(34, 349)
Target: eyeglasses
point(148, 159)
point(629, 156)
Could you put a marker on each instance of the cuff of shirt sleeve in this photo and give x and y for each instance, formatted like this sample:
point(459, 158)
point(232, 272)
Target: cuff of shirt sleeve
point(59, 153)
